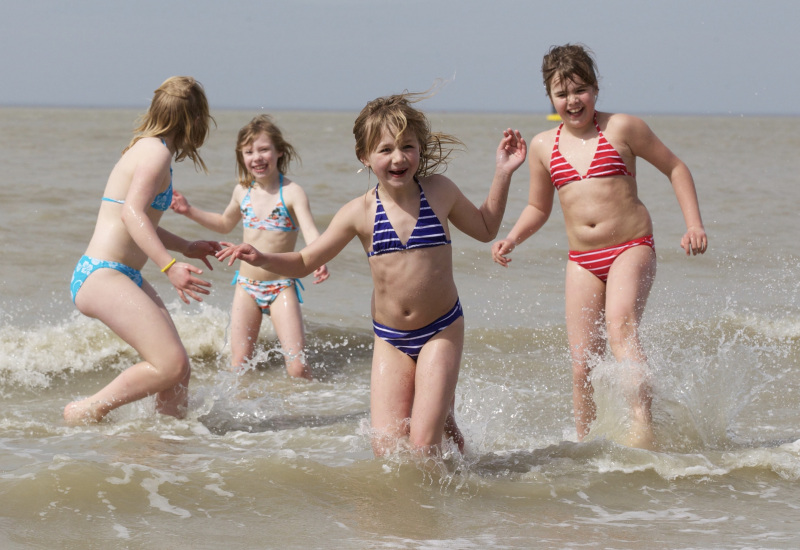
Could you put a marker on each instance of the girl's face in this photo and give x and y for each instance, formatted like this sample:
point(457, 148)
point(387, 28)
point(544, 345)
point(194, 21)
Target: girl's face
point(395, 162)
point(261, 158)
point(574, 102)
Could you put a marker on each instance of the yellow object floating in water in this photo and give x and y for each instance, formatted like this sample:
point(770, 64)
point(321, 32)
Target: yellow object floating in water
point(554, 117)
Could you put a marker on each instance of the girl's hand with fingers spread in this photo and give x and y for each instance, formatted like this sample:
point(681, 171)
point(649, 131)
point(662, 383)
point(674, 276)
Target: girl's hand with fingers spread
point(182, 277)
point(244, 252)
point(200, 250)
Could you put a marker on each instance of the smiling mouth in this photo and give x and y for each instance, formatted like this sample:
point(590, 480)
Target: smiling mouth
point(398, 173)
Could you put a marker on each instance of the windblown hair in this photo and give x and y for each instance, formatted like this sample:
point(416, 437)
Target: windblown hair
point(395, 112)
point(179, 107)
point(262, 124)
point(568, 63)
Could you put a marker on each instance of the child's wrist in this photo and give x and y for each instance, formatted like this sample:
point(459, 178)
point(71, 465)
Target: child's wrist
point(169, 265)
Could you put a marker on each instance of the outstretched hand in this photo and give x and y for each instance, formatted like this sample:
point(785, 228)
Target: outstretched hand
point(179, 203)
point(200, 250)
point(695, 241)
point(321, 274)
point(245, 252)
point(501, 250)
point(181, 275)
point(512, 151)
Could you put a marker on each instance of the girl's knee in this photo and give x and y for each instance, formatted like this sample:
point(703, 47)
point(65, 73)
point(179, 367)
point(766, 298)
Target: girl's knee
point(174, 369)
point(179, 375)
point(622, 330)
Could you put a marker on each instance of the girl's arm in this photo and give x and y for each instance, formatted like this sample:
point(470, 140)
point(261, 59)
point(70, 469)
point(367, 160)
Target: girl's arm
point(535, 213)
point(298, 202)
point(221, 223)
point(645, 144)
point(483, 223)
point(151, 169)
point(199, 250)
point(342, 229)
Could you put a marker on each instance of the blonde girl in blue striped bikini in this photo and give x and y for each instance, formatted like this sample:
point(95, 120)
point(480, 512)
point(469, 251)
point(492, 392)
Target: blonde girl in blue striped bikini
point(403, 225)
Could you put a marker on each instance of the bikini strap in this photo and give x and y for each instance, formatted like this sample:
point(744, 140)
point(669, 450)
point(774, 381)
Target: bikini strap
point(597, 125)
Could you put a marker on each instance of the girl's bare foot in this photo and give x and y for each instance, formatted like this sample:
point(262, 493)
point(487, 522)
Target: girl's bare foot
point(83, 412)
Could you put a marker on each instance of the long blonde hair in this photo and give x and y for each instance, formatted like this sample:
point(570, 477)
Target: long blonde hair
point(396, 113)
point(179, 107)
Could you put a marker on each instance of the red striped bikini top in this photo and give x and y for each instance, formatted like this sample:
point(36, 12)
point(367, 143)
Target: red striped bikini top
point(606, 162)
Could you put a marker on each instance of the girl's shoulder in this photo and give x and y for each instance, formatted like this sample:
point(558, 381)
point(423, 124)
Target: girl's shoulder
point(545, 138)
point(436, 184)
point(620, 122)
point(358, 213)
point(292, 191)
point(151, 144)
point(541, 146)
point(291, 186)
point(624, 128)
point(239, 191)
point(362, 203)
point(147, 151)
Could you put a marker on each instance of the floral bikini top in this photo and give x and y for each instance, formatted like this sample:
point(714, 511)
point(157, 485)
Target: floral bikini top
point(162, 200)
point(279, 219)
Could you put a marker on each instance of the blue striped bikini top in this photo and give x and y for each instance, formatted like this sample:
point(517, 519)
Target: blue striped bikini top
point(162, 200)
point(428, 231)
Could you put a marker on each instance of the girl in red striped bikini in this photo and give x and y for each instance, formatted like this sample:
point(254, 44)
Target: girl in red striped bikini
point(590, 160)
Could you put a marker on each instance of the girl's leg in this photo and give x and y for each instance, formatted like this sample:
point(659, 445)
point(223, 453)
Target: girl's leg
point(246, 320)
point(435, 382)
point(287, 318)
point(451, 429)
point(628, 286)
point(391, 396)
point(585, 297)
point(139, 317)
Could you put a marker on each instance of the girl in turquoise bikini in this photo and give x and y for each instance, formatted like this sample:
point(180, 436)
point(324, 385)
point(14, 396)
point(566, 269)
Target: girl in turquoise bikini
point(107, 283)
point(272, 210)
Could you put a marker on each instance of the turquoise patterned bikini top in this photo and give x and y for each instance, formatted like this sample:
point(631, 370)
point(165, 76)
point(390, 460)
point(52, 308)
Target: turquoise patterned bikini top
point(162, 200)
point(278, 220)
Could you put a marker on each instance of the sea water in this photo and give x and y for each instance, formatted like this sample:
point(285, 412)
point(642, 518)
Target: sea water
point(264, 461)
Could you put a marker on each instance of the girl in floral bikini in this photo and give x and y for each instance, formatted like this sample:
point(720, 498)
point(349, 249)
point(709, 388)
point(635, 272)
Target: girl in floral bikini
point(272, 209)
point(590, 159)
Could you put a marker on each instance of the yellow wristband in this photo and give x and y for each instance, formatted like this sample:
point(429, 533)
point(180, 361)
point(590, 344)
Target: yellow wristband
point(166, 267)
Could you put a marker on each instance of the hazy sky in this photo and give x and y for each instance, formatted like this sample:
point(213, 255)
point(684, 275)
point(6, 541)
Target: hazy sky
point(654, 56)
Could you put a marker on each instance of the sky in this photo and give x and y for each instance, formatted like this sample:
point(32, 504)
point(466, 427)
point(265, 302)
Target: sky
point(705, 57)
